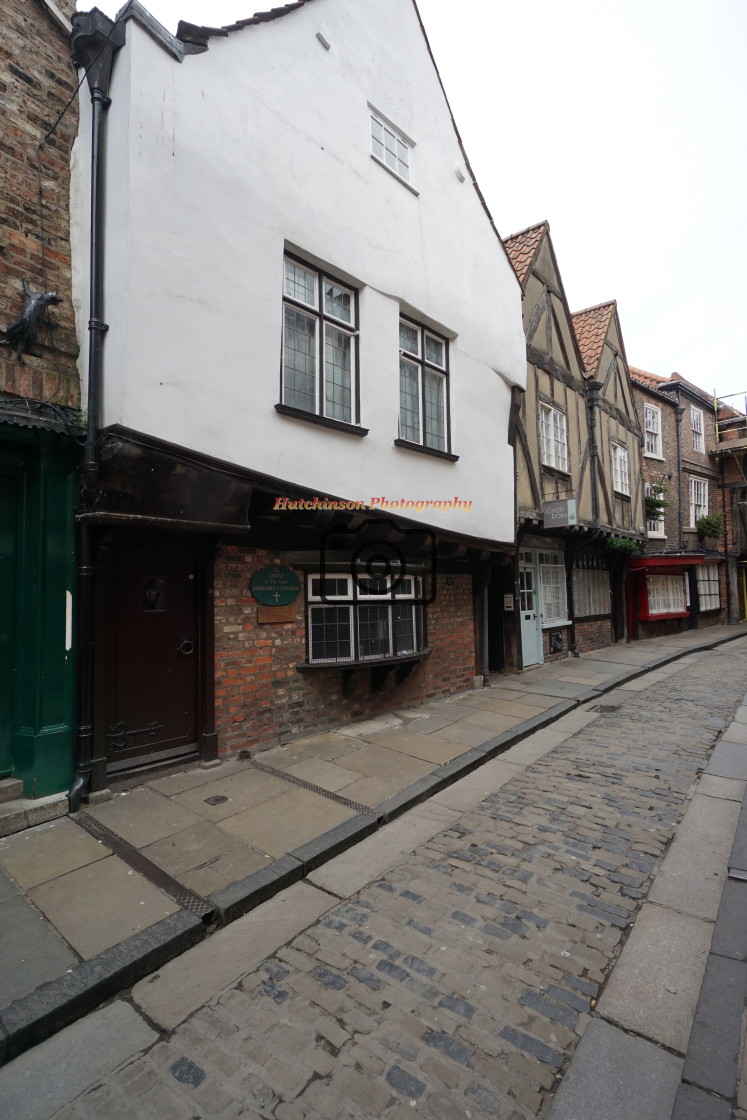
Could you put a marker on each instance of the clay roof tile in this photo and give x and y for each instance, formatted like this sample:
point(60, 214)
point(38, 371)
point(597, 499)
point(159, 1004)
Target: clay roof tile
point(522, 249)
point(590, 327)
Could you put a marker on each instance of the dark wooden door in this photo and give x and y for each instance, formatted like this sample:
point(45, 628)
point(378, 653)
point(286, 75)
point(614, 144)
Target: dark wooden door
point(148, 687)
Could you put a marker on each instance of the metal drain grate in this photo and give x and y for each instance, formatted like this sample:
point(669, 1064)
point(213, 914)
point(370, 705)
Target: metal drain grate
point(355, 805)
point(135, 859)
point(605, 709)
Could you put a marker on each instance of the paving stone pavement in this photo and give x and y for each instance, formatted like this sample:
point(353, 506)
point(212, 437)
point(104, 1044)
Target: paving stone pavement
point(460, 982)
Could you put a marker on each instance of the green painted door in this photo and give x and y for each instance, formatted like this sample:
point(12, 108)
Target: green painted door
point(10, 485)
point(37, 492)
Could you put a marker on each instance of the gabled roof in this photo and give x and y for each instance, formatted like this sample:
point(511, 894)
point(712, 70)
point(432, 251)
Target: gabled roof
point(590, 327)
point(522, 249)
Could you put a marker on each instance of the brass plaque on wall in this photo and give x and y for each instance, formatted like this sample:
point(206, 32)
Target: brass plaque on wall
point(276, 614)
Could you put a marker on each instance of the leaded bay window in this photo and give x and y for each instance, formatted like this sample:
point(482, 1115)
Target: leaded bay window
point(553, 438)
point(320, 330)
point(423, 387)
point(698, 499)
point(708, 587)
point(652, 430)
point(364, 619)
point(620, 471)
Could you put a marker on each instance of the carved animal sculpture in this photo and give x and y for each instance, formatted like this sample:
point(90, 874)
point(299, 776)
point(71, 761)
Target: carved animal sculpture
point(23, 330)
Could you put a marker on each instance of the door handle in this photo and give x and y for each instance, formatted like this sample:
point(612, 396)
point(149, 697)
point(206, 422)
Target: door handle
point(186, 646)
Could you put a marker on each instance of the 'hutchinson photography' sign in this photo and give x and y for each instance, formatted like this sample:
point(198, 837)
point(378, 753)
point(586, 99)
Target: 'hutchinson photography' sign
point(275, 586)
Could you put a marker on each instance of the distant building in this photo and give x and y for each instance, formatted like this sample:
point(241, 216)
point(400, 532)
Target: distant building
point(577, 443)
point(681, 581)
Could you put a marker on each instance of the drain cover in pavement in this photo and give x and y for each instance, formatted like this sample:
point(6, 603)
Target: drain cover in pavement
point(218, 799)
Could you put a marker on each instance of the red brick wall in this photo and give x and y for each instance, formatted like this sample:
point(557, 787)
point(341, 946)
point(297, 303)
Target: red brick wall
point(260, 697)
point(662, 627)
point(593, 634)
point(36, 79)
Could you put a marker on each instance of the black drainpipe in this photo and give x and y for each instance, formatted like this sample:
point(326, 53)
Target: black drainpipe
point(679, 412)
point(94, 41)
point(592, 396)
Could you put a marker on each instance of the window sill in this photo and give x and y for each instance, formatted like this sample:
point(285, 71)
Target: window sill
point(426, 450)
point(650, 455)
point(649, 617)
point(322, 421)
point(657, 536)
point(621, 494)
point(556, 625)
point(380, 669)
point(394, 175)
point(556, 472)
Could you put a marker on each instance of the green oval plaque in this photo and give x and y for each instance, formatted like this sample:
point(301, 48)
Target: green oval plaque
point(275, 586)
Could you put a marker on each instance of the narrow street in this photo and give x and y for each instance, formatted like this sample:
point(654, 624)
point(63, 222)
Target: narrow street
point(456, 980)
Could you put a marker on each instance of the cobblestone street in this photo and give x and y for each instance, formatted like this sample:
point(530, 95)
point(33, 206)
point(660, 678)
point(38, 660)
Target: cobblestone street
point(459, 982)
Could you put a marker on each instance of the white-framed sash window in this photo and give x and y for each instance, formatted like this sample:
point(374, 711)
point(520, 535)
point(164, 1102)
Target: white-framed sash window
point(620, 469)
point(553, 437)
point(698, 499)
point(652, 431)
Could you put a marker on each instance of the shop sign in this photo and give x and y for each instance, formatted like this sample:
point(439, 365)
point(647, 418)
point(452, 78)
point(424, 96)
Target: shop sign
point(275, 586)
point(559, 514)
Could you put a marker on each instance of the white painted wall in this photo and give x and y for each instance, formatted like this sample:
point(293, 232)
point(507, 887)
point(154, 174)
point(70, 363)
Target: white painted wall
point(214, 166)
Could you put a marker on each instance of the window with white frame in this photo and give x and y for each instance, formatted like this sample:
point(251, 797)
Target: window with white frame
point(696, 422)
point(363, 619)
point(709, 596)
point(654, 526)
point(390, 147)
point(652, 430)
point(553, 438)
point(423, 387)
point(320, 321)
point(698, 499)
point(553, 599)
point(620, 471)
point(666, 594)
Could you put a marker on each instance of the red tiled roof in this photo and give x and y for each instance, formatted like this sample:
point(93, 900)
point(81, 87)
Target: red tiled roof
point(648, 380)
point(590, 327)
point(522, 248)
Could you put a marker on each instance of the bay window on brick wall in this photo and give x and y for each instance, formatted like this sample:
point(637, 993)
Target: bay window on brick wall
point(708, 587)
point(698, 499)
point(363, 619)
point(320, 332)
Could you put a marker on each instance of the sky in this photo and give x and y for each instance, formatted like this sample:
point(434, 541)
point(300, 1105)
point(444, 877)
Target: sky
point(621, 122)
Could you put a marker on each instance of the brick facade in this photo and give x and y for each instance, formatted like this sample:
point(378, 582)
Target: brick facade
point(262, 698)
point(594, 633)
point(36, 80)
point(676, 466)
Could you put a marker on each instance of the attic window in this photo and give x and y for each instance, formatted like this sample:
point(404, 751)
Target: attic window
point(390, 147)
